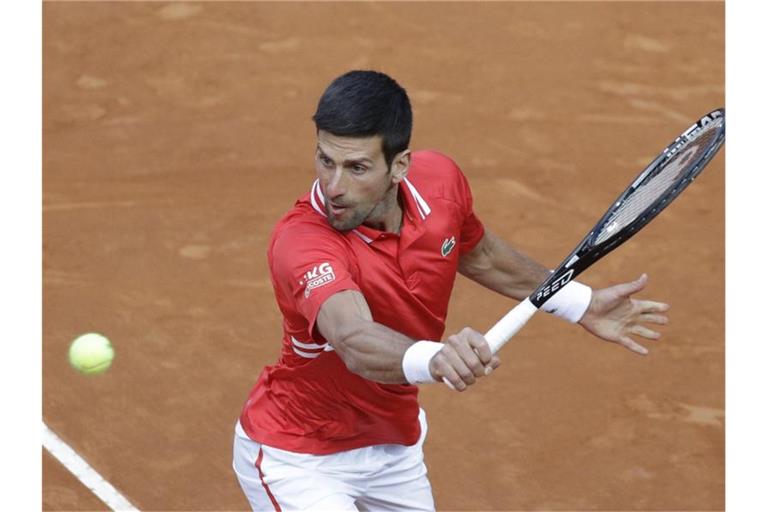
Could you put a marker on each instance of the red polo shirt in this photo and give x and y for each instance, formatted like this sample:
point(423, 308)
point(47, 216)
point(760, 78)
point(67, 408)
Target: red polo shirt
point(309, 401)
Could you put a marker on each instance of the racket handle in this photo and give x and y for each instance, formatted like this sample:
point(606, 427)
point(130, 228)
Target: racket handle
point(510, 323)
point(507, 327)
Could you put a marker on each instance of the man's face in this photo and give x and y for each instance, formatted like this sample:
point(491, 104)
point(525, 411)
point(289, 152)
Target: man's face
point(355, 180)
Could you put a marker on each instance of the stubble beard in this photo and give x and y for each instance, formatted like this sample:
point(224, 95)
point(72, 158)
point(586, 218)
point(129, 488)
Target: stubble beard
point(357, 216)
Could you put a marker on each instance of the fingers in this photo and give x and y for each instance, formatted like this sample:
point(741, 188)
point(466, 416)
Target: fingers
point(627, 289)
point(641, 330)
point(467, 368)
point(653, 319)
point(480, 345)
point(449, 375)
point(645, 332)
point(618, 316)
point(650, 306)
point(465, 357)
point(651, 313)
point(629, 343)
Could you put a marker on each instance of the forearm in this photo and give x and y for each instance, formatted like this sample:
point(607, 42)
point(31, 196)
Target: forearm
point(369, 349)
point(499, 267)
point(372, 350)
point(378, 353)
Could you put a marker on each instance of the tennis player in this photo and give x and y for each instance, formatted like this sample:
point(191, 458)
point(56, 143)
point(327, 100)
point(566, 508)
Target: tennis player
point(362, 268)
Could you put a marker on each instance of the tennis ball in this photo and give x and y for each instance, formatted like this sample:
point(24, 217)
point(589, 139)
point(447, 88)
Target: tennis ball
point(91, 353)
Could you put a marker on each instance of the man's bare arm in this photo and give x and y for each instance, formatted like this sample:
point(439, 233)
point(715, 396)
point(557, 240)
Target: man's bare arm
point(375, 352)
point(369, 349)
point(496, 265)
point(612, 315)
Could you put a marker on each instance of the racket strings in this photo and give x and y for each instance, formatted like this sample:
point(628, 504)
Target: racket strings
point(659, 182)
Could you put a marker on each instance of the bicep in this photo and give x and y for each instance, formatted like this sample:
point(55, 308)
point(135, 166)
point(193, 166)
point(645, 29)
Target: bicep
point(367, 348)
point(308, 266)
point(341, 312)
point(497, 266)
point(479, 259)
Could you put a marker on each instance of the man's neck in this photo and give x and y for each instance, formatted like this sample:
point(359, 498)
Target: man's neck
point(391, 218)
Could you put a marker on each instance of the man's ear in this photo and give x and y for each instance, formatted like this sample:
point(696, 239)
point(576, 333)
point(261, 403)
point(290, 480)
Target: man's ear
point(400, 165)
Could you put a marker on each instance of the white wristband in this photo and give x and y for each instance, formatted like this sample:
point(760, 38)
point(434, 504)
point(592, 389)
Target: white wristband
point(570, 303)
point(416, 361)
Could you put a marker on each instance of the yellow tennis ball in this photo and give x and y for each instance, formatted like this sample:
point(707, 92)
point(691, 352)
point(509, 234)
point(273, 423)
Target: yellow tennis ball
point(91, 353)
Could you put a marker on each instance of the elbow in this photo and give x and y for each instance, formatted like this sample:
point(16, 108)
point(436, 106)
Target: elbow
point(360, 347)
point(345, 346)
point(477, 267)
point(358, 365)
point(474, 270)
point(481, 261)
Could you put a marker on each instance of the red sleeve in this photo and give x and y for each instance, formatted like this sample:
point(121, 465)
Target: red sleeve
point(309, 264)
point(472, 229)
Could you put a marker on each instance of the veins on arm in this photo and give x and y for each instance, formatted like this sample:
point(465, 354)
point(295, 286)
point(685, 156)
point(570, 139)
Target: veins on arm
point(368, 348)
point(496, 265)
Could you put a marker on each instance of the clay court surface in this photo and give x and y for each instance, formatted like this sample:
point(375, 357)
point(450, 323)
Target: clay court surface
point(175, 135)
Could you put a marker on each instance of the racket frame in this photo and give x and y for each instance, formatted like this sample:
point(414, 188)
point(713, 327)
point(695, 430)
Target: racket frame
point(588, 252)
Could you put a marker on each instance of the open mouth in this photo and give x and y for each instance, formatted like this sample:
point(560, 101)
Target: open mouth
point(337, 210)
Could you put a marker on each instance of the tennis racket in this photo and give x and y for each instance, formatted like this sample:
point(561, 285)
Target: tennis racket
point(652, 191)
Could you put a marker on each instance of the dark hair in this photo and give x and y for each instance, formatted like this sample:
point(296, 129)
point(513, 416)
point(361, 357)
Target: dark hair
point(364, 104)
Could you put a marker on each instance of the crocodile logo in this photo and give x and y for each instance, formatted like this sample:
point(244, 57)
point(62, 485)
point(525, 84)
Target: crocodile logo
point(448, 245)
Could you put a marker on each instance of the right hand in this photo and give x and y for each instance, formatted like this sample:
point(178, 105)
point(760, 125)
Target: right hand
point(464, 358)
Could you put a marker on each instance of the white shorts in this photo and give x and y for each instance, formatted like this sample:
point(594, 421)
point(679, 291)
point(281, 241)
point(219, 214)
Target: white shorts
point(382, 477)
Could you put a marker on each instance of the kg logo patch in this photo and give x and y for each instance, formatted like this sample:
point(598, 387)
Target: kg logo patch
point(319, 276)
point(448, 245)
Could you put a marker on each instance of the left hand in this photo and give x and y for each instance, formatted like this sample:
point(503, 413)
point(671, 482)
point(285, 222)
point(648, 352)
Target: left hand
point(613, 315)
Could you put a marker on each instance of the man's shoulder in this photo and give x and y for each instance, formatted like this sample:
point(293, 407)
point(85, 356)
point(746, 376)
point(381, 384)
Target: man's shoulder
point(435, 174)
point(302, 226)
point(429, 161)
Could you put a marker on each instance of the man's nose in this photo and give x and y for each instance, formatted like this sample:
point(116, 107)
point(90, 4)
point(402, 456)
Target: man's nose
point(336, 184)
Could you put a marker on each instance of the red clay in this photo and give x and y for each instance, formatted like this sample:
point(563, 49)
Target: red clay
point(176, 134)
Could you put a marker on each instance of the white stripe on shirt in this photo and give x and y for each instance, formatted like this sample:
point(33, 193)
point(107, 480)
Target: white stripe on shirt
point(310, 346)
point(424, 208)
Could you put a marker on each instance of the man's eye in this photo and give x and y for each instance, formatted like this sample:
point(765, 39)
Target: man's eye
point(326, 161)
point(359, 169)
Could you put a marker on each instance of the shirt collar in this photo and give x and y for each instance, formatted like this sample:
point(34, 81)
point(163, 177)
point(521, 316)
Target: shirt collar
point(415, 208)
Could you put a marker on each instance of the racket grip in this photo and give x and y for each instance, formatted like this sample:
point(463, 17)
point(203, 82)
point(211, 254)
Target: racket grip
point(507, 327)
point(510, 323)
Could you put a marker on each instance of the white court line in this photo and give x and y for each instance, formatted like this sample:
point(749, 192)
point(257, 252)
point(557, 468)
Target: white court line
point(84, 472)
